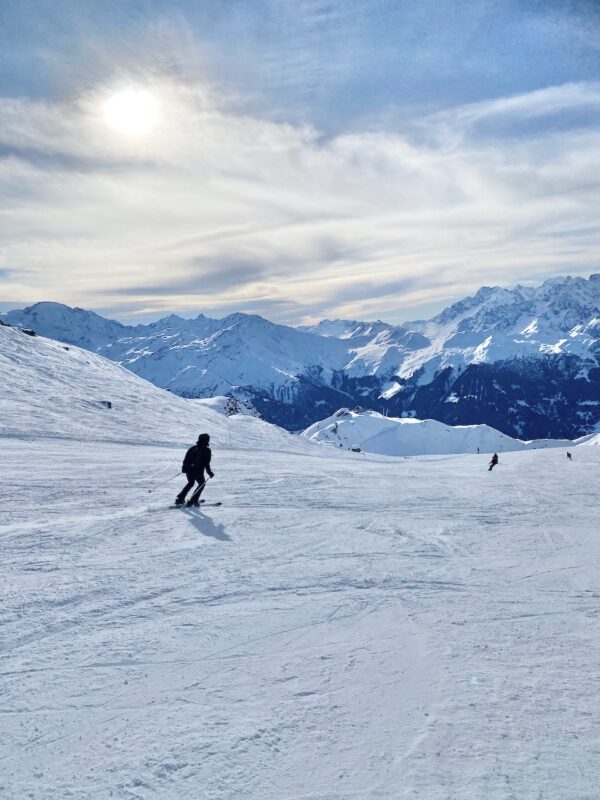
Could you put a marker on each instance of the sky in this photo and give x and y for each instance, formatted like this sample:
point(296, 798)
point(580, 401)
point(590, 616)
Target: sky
point(299, 159)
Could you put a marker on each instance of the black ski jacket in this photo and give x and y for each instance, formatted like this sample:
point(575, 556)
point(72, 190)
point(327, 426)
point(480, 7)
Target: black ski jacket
point(197, 459)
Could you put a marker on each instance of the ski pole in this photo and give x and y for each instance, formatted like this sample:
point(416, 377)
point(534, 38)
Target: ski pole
point(158, 485)
point(200, 487)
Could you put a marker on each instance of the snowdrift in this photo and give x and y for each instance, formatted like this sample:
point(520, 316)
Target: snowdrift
point(393, 436)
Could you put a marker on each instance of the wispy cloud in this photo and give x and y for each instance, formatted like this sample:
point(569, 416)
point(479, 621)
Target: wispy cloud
point(221, 210)
point(538, 103)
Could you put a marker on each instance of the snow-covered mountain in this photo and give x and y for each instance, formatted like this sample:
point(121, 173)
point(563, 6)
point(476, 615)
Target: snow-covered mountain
point(525, 360)
point(346, 329)
point(62, 391)
point(561, 317)
point(372, 432)
point(281, 371)
point(69, 325)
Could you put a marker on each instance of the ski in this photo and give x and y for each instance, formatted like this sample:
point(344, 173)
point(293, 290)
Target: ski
point(201, 502)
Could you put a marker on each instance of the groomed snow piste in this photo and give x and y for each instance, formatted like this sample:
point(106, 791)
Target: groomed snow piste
point(343, 627)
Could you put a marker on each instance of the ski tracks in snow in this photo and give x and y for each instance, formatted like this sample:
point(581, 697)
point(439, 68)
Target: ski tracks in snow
point(336, 629)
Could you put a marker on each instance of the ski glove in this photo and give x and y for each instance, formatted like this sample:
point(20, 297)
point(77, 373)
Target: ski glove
point(211, 474)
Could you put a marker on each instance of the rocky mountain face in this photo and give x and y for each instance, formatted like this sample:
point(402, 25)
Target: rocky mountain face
point(525, 360)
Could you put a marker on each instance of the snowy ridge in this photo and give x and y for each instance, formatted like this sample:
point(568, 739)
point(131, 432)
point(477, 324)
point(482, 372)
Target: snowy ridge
point(69, 325)
point(592, 440)
point(346, 329)
point(562, 316)
point(374, 433)
point(540, 345)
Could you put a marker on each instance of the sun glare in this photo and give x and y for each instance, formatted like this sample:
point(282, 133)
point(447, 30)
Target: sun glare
point(134, 111)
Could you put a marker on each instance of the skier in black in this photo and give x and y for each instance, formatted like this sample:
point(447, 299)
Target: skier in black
point(569, 456)
point(197, 459)
point(493, 462)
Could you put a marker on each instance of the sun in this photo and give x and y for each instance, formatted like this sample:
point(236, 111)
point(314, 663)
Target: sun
point(132, 111)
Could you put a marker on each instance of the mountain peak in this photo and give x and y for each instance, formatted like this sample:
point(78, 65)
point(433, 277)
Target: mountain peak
point(71, 325)
point(560, 280)
point(251, 321)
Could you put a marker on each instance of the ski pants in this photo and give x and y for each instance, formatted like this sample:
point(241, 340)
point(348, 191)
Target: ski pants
point(192, 477)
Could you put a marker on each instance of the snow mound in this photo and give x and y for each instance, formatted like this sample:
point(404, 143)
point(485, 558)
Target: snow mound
point(394, 436)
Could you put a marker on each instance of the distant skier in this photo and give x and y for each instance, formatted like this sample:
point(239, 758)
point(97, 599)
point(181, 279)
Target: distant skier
point(196, 461)
point(477, 451)
point(493, 462)
point(569, 456)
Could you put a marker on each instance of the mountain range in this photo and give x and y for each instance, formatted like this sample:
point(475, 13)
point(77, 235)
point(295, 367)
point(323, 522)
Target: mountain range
point(525, 360)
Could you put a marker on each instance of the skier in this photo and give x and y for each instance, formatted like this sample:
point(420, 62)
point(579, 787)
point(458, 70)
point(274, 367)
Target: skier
point(197, 459)
point(493, 462)
point(569, 456)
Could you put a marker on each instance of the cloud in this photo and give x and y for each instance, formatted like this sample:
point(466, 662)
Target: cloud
point(539, 103)
point(543, 111)
point(221, 210)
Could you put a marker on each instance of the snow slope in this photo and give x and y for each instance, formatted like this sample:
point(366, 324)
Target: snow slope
point(593, 439)
point(393, 436)
point(55, 390)
point(344, 627)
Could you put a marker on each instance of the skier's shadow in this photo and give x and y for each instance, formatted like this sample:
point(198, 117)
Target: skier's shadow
point(206, 526)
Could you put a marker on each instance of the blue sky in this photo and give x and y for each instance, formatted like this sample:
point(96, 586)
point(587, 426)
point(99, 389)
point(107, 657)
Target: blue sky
point(310, 158)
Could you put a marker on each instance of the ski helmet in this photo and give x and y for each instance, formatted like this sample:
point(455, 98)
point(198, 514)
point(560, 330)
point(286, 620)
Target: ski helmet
point(204, 439)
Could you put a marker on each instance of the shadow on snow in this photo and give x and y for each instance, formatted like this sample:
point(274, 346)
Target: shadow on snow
point(206, 526)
